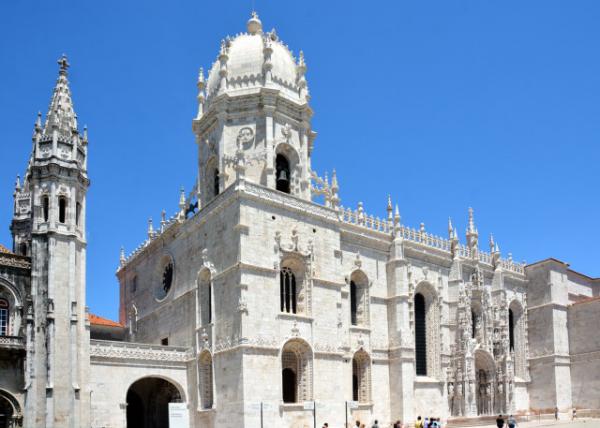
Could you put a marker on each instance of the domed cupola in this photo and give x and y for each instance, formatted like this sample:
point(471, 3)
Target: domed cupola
point(256, 59)
point(253, 108)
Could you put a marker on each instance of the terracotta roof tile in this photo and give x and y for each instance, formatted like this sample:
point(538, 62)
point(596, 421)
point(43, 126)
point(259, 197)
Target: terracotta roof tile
point(96, 320)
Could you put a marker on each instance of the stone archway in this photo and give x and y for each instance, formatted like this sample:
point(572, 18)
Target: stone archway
point(10, 412)
point(148, 402)
point(485, 375)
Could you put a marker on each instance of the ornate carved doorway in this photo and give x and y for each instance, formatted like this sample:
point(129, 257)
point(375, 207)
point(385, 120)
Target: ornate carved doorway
point(485, 374)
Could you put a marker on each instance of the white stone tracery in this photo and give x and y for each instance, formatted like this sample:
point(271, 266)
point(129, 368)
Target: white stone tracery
point(297, 356)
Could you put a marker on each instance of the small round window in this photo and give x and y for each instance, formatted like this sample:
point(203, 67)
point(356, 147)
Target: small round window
point(166, 281)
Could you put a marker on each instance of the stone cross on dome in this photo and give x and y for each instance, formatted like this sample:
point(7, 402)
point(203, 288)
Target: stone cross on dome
point(63, 64)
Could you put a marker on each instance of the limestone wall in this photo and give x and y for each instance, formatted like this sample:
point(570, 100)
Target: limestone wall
point(584, 342)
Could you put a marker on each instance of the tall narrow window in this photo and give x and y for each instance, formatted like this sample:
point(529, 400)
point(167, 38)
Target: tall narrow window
point(4, 317)
point(77, 213)
point(361, 377)
point(62, 209)
point(205, 369)
point(353, 303)
point(216, 182)
point(473, 323)
point(287, 284)
point(23, 249)
point(45, 207)
point(209, 298)
point(511, 329)
point(282, 171)
point(420, 335)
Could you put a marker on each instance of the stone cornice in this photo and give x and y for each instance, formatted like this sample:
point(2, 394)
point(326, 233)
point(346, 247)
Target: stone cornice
point(15, 261)
point(100, 350)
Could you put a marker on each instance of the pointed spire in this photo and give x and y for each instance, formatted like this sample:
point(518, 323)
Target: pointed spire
point(397, 221)
point(472, 235)
point(150, 229)
point(182, 198)
point(201, 81)
point(492, 244)
point(450, 228)
point(163, 220)
point(472, 228)
point(60, 112)
point(18, 183)
point(37, 128)
point(122, 256)
point(85, 134)
point(389, 208)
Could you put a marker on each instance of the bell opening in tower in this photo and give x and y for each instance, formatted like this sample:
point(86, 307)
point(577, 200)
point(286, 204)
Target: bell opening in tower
point(282, 168)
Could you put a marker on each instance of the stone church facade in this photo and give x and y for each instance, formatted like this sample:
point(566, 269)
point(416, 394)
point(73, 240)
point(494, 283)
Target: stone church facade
point(262, 293)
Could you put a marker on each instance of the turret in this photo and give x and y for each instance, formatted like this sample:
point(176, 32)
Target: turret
point(253, 121)
point(50, 216)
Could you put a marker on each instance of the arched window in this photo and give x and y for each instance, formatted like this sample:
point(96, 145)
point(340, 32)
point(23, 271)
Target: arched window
point(4, 316)
point(427, 331)
point(511, 329)
point(216, 183)
point(287, 285)
point(282, 173)
point(23, 249)
point(134, 284)
point(205, 370)
point(359, 285)
point(45, 207)
point(517, 337)
point(353, 303)
point(361, 377)
point(77, 213)
point(205, 290)
point(62, 209)
point(296, 372)
point(420, 335)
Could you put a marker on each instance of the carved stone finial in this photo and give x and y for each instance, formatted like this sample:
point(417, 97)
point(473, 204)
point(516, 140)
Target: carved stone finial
point(122, 256)
point(150, 229)
point(63, 65)
point(254, 24)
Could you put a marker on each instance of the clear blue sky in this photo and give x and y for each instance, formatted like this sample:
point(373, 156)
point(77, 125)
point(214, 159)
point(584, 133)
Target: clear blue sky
point(442, 104)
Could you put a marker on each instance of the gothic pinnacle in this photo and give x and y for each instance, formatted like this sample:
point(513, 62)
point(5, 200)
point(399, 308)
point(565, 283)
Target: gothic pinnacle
point(122, 256)
point(450, 228)
point(63, 65)
point(150, 229)
point(389, 208)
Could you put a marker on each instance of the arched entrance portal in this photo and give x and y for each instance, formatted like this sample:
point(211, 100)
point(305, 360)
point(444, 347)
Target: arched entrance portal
point(148, 403)
point(485, 373)
point(10, 414)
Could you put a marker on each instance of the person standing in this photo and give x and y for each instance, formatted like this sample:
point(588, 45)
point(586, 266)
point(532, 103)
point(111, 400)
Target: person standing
point(556, 413)
point(419, 423)
point(375, 424)
point(574, 414)
point(500, 422)
point(357, 424)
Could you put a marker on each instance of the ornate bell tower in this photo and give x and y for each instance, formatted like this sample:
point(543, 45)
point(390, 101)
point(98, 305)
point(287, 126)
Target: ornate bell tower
point(49, 222)
point(254, 116)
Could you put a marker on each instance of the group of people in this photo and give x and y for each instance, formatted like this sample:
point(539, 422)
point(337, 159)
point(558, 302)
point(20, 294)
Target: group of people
point(511, 422)
point(426, 423)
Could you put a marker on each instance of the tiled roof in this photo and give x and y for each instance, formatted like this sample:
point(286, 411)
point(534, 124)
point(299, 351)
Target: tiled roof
point(96, 320)
point(586, 300)
point(3, 249)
